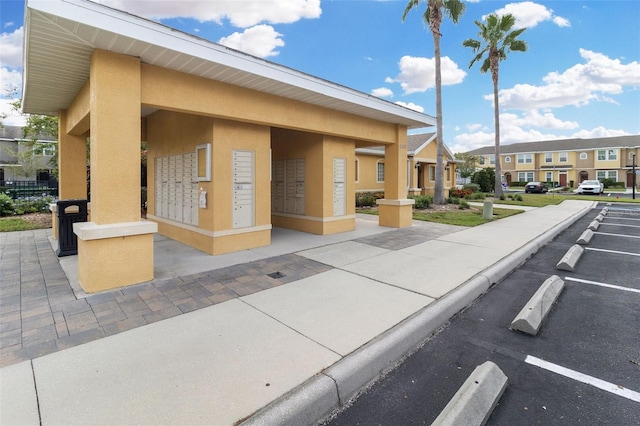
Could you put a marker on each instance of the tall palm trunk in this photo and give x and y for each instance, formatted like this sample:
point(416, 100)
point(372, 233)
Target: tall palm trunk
point(495, 61)
point(434, 22)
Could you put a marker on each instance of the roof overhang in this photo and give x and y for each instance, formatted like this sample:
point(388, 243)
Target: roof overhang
point(60, 36)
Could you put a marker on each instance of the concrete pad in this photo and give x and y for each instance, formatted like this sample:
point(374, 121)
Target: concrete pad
point(18, 400)
point(339, 310)
point(594, 225)
point(341, 254)
point(446, 251)
point(212, 366)
point(529, 319)
point(571, 257)
point(362, 367)
point(476, 398)
point(585, 237)
point(415, 273)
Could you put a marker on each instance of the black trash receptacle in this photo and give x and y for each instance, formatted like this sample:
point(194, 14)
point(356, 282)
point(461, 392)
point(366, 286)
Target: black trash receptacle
point(69, 212)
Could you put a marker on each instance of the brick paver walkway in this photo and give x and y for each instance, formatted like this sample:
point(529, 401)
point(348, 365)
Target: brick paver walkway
point(40, 314)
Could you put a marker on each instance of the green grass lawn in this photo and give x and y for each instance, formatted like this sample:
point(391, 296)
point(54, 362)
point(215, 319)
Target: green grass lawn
point(10, 224)
point(541, 200)
point(454, 217)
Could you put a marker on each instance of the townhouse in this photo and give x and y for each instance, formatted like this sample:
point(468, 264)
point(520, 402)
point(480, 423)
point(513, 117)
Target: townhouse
point(566, 162)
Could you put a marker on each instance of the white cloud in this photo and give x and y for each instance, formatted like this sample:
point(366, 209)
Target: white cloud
point(578, 85)
point(529, 14)
point(418, 74)
point(261, 41)
point(382, 92)
point(599, 132)
point(11, 49)
point(11, 79)
point(241, 13)
point(411, 105)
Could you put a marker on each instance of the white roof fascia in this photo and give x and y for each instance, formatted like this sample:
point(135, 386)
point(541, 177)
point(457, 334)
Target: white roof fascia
point(128, 25)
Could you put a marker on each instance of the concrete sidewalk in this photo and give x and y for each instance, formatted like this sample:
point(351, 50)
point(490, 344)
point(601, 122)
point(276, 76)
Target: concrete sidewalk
point(287, 353)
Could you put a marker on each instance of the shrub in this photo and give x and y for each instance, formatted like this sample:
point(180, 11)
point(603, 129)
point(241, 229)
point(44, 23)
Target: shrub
point(459, 193)
point(518, 197)
point(503, 197)
point(7, 206)
point(482, 178)
point(367, 199)
point(32, 205)
point(422, 202)
point(463, 205)
point(472, 186)
point(476, 196)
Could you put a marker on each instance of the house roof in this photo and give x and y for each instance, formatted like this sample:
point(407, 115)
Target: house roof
point(60, 36)
point(415, 144)
point(14, 133)
point(632, 141)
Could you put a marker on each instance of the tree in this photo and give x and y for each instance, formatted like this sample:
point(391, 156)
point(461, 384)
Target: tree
point(496, 41)
point(37, 127)
point(433, 15)
point(467, 168)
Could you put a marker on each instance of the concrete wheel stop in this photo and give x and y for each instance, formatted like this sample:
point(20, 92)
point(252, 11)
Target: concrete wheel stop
point(594, 225)
point(569, 260)
point(585, 237)
point(530, 318)
point(477, 397)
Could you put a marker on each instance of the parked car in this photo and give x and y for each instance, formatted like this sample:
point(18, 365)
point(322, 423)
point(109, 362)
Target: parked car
point(535, 187)
point(591, 187)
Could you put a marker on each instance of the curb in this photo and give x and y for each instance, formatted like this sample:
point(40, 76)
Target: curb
point(328, 391)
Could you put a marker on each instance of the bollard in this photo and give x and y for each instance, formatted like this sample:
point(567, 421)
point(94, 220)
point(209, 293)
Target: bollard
point(487, 209)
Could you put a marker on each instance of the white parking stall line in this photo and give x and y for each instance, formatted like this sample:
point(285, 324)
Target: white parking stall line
point(584, 378)
point(612, 251)
point(615, 287)
point(616, 235)
point(619, 224)
point(621, 218)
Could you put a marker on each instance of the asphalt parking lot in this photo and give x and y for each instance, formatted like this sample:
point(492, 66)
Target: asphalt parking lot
point(583, 366)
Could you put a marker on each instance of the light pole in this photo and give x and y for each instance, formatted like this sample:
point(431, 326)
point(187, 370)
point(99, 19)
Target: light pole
point(633, 179)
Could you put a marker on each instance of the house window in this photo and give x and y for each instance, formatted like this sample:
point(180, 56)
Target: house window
point(525, 158)
point(607, 174)
point(492, 159)
point(607, 154)
point(548, 157)
point(380, 172)
point(583, 155)
point(432, 173)
point(357, 170)
point(549, 176)
point(631, 155)
point(563, 157)
point(507, 159)
point(481, 161)
point(525, 176)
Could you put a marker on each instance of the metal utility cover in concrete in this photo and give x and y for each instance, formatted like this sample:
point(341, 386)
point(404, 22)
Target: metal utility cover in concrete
point(530, 318)
point(476, 398)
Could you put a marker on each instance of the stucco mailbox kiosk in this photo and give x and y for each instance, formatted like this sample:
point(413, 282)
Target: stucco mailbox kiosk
point(235, 144)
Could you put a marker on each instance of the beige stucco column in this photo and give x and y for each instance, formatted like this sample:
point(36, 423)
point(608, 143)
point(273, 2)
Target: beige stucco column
point(395, 209)
point(72, 167)
point(116, 248)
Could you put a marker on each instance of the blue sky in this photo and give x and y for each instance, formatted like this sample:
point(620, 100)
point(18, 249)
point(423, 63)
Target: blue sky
point(579, 78)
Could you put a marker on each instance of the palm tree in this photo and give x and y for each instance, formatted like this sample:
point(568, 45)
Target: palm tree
point(436, 9)
point(497, 42)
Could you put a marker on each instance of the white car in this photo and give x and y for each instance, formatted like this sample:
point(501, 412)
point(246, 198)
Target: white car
point(591, 187)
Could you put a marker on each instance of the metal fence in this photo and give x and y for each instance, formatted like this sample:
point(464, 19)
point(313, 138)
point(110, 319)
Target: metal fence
point(29, 188)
